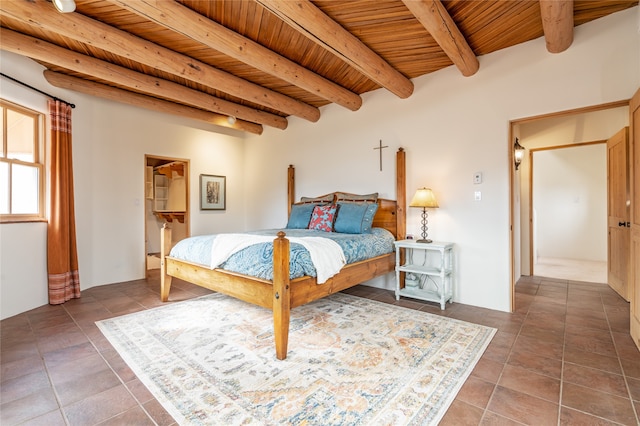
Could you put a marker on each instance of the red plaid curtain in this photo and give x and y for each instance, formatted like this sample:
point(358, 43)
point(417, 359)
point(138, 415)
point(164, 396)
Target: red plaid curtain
point(62, 253)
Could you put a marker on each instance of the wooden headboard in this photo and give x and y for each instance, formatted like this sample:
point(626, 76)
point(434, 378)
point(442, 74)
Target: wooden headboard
point(391, 214)
point(386, 216)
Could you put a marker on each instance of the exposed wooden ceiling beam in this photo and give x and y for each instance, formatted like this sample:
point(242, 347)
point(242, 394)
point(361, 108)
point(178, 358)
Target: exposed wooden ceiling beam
point(124, 96)
point(181, 19)
point(435, 18)
point(52, 54)
point(314, 24)
point(557, 24)
point(43, 14)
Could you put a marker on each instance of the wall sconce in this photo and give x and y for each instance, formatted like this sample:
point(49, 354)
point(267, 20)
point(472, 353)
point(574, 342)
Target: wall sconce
point(65, 6)
point(518, 153)
point(424, 198)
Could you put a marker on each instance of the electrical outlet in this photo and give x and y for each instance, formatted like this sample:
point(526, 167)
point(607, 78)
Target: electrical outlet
point(477, 196)
point(477, 177)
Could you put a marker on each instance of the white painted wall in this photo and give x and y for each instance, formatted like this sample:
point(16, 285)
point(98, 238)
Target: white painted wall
point(23, 246)
point(570, 203)
point(451, 127)
point(110, 141)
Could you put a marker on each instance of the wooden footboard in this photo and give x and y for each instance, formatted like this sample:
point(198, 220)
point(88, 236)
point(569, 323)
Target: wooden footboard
point(281, 295)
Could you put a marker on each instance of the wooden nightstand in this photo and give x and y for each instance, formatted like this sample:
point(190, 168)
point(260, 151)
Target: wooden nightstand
point(433, 271)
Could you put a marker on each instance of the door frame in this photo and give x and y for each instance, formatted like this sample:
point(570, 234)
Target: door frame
point(154, 160)
point(634, 178)
point(515, 225)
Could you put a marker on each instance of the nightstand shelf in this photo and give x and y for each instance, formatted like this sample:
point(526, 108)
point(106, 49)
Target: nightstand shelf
point(434, 281)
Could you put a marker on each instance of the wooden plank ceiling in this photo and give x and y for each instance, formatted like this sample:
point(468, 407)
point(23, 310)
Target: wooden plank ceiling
point(246, 64)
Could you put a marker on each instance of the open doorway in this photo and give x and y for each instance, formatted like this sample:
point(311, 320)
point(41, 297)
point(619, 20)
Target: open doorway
point(166, 201)
point(569, 212)
point(566, 128)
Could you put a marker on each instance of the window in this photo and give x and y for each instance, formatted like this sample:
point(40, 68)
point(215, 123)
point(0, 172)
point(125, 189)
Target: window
point(21, 164)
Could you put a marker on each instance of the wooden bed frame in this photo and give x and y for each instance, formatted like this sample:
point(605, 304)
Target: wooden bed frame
point(283, 294)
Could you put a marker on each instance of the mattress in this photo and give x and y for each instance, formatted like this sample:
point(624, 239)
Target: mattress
point(257, 260)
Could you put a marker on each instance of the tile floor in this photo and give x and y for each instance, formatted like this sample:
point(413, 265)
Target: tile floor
point(563, 357)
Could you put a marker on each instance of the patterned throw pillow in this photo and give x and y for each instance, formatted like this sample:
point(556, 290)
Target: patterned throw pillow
point(323, 217)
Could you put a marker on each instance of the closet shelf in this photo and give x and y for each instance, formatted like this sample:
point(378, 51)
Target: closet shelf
point(170, 216)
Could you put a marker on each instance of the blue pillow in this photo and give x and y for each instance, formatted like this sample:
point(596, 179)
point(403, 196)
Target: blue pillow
point(355, 218)
point(300, 216)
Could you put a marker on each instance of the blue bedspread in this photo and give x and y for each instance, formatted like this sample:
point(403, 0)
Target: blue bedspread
point(257, 260)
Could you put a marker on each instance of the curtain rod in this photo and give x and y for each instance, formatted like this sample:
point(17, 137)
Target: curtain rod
point(38, 90)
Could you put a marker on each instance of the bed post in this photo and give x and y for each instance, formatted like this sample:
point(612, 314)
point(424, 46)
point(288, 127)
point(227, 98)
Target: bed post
point(401, 195)
point(165, 247)
point(401, 203)
point(281, 294)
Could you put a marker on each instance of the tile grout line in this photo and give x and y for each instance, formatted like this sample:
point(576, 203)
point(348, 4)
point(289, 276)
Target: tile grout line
point(609, 329)
point(619, 357)
point(486, 409)
point(46, 369)
point(110, 368)
point(562, 361)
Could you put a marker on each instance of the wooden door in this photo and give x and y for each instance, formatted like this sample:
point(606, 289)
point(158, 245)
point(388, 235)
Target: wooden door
point(634, 171)
point(618, 212)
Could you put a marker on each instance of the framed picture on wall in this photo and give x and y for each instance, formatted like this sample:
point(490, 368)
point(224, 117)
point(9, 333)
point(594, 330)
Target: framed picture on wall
point(213, 192)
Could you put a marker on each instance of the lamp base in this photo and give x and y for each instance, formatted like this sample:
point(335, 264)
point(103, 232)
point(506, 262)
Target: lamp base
point(424, 241)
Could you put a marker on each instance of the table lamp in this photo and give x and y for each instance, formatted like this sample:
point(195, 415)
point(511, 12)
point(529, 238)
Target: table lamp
point(424, 198)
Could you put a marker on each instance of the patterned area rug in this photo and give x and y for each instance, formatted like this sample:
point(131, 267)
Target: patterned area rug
point(351, 361)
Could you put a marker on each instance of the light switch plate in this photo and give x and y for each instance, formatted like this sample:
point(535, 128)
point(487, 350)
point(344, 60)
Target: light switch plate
point(477, 196)
point(477, 177)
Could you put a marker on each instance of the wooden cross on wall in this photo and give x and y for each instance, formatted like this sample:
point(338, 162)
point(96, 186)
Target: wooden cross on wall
point(380, 147)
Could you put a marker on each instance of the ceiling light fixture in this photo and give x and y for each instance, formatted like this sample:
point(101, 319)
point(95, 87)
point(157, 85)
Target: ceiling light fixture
point(231, 120)
point(65, 6)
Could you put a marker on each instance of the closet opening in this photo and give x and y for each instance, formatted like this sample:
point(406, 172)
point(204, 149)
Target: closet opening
point(166, 186)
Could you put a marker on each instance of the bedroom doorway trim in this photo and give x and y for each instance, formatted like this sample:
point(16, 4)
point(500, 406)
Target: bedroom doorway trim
point(515, 178)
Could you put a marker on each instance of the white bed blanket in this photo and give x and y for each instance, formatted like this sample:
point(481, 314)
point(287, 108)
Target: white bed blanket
point(327, 255)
